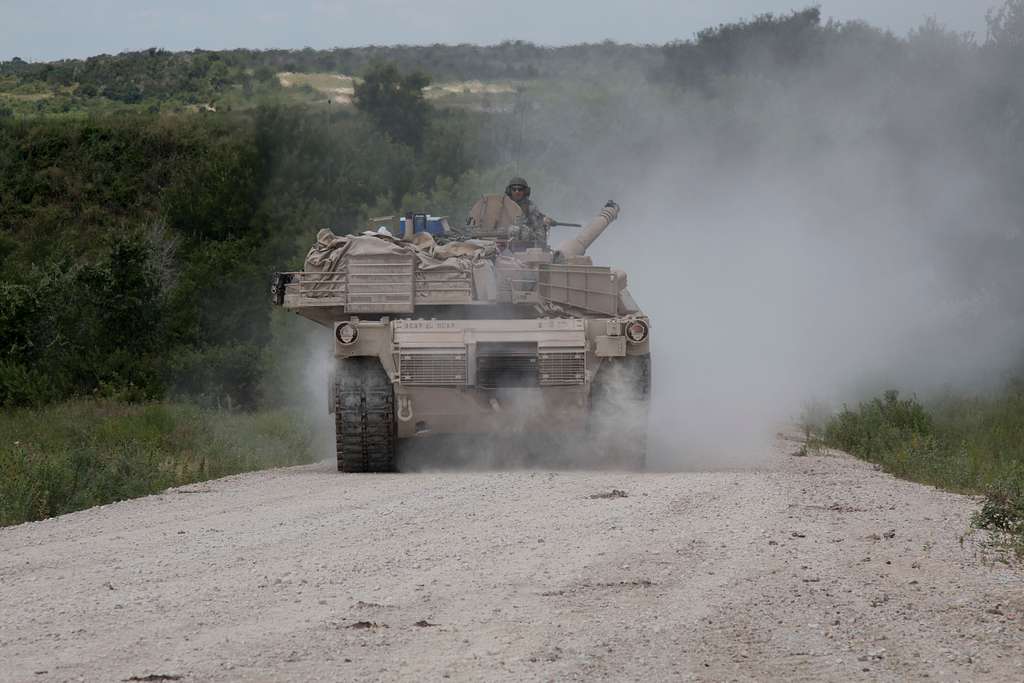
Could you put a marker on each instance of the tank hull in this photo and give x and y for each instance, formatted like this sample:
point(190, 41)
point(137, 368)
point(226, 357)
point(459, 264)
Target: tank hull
point(510, 376)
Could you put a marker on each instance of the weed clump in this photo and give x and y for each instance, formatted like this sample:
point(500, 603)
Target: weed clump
point(1003, 512)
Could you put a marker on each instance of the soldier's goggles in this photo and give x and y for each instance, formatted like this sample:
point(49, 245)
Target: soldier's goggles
point(517, 188)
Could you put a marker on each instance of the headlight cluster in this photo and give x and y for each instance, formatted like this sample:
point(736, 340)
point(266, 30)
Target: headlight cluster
point(637, 331)
point(346, 333)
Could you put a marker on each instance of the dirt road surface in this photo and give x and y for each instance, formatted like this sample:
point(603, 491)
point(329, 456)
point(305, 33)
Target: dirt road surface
point(803, 568)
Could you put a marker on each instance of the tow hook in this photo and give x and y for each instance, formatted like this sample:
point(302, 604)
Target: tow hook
point(404, 408)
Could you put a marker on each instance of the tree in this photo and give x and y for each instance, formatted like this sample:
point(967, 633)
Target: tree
point(1006, 25)
point(394, 102)
point(765, 44)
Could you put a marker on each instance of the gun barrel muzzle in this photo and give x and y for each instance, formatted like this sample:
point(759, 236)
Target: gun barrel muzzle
point(577, 246)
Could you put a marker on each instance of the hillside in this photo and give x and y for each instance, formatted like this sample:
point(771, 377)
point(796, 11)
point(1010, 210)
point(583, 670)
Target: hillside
point(198, 81)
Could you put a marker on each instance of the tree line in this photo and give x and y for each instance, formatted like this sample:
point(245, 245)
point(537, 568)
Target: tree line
point(135, 248)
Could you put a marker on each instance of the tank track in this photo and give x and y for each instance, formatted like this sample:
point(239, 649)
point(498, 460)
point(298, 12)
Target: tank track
point(619, 402)
point(364, 416)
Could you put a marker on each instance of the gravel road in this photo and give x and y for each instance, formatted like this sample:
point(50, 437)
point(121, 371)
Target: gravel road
point(803, 568)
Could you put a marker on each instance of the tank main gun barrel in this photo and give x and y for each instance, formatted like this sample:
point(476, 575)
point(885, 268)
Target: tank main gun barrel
point(577, 246)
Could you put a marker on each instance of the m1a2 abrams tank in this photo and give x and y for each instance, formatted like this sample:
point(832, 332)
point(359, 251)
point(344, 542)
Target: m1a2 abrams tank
point(485, 335)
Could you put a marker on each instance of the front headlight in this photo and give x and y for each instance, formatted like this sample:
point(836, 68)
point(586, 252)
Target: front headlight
point(346, 333)
point(637, 331)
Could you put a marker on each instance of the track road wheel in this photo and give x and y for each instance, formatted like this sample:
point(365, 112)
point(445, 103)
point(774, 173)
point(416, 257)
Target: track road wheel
point(619, 401)
point(364, 416)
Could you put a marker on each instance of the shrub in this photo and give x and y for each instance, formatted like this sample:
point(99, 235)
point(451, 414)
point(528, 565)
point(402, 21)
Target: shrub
point(879, 426)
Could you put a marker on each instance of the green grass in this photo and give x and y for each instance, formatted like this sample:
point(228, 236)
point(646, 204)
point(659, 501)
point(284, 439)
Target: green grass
point(78, 454)
point(965, 444)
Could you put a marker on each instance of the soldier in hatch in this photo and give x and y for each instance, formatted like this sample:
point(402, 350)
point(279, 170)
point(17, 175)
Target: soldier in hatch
point(536, 224)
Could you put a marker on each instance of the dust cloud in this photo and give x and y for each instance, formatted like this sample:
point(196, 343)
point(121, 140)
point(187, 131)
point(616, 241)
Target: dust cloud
point(298, 377)
point(820, 232)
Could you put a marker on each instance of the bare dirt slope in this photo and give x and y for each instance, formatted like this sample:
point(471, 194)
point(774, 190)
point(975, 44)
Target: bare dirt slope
point(813, 568)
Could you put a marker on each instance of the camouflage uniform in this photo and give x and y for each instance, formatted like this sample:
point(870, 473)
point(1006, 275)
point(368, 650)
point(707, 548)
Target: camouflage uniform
point(533, 228)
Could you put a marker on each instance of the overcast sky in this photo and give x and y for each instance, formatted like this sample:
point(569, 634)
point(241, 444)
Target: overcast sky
point(41, 30)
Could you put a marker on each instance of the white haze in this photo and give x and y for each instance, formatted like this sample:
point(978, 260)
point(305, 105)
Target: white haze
point(818, 239)
point(813, 234)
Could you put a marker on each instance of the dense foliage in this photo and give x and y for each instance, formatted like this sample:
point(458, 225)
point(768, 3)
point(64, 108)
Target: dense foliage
point(135, 251)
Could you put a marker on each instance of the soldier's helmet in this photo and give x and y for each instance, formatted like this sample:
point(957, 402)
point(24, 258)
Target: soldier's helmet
point(515, 184)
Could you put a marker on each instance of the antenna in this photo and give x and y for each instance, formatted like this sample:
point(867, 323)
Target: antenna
point(522, 128)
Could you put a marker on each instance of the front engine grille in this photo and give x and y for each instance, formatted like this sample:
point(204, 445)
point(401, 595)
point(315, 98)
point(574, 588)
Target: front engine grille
point(433, 368)
point(561, 367)
point(497, 366)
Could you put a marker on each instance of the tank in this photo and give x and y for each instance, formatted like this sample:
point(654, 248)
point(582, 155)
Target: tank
point(479, 334)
